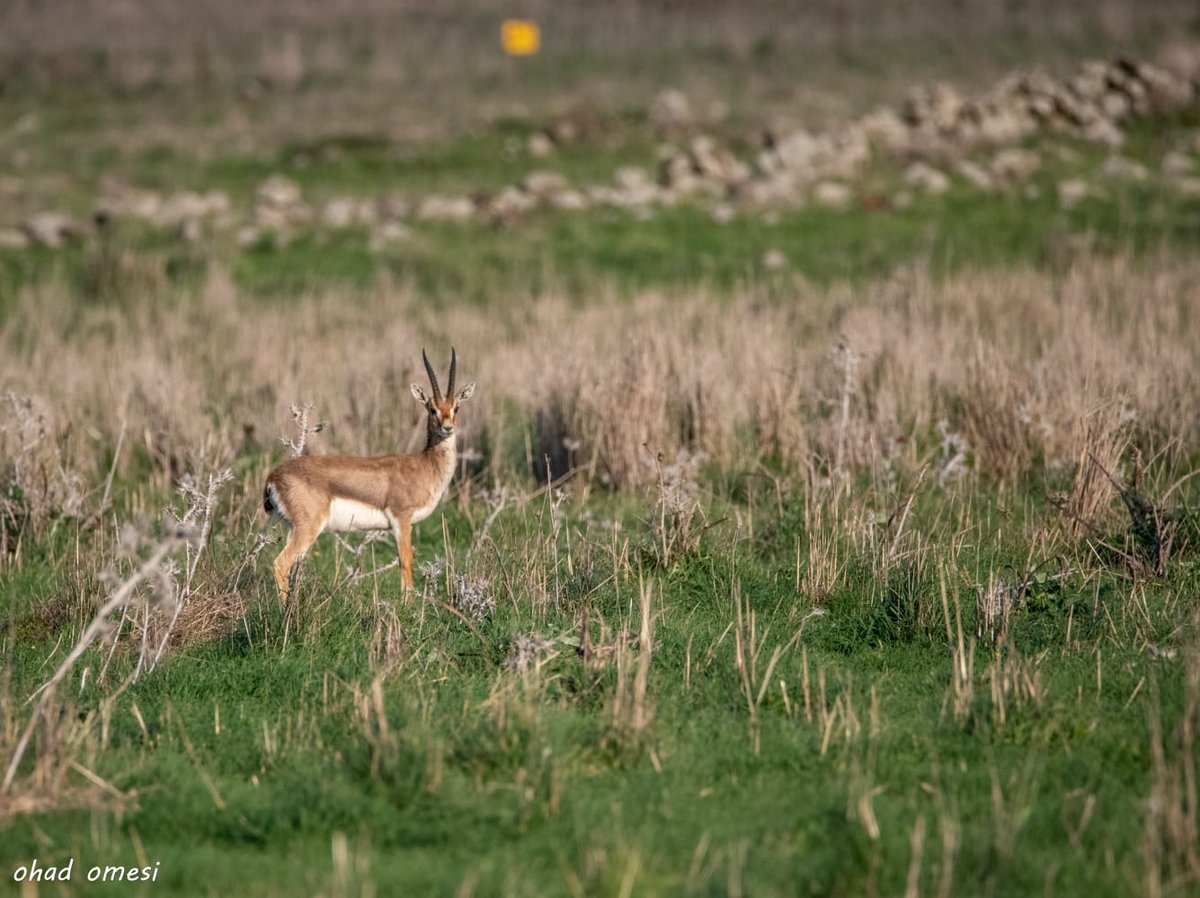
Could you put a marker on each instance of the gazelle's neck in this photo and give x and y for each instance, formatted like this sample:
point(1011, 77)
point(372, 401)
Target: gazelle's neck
point(436, 441)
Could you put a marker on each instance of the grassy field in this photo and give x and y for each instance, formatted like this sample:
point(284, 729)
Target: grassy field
point(801, 551)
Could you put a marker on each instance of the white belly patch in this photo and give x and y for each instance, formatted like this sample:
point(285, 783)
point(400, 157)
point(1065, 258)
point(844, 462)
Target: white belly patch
point(346, 514)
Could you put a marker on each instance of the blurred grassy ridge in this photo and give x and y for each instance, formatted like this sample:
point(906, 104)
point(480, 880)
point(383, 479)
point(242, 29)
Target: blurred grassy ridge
point(357, 99)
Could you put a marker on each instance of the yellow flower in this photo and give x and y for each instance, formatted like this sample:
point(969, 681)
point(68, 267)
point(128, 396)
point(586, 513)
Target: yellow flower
point(520, 37)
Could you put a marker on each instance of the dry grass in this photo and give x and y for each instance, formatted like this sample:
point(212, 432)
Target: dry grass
point(1068, 368)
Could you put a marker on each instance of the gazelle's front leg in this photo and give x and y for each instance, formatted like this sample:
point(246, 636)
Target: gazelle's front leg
point(300, 540)
point(403, 530)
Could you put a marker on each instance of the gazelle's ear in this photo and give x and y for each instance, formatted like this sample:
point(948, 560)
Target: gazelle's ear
point(465, 392)
point(419, 395)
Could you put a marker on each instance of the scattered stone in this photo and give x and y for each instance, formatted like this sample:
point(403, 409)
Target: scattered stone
point(544, 184)
point(278, 204)
point(52, 229)
point(188, 209)
point(723, 214)
point(927, 178)
point(511, 203)
point(394, 207)
point(975, 176)
point(774, 260)
point(1013, 165)
point(633, 188)
point(832, 195)
point(540, 145)
point(716, 164)
point(704, 167)
point(771, 193)
point(887, 129)
point(11, 238)
point(121, 201)
point(248, 236)
point(1071, 192)
point(346, 212)
point(805, 158)
point(388, 232)
point(902, 200)
point(338, 213)
point(1123, 168)
point(445, 208)
point(670, 110)
point(278, 190)
point(632, 177)
point(1189, 186)
point(568, 200)
point(1177, 163)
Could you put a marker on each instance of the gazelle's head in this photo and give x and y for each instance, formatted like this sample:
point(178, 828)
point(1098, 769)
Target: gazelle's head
point(442, 410)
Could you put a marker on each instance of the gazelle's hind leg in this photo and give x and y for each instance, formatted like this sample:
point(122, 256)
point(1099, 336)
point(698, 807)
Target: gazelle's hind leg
point(300, 540)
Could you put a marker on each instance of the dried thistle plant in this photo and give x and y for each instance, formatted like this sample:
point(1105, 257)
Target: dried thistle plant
point(473, 597)
point(196, 519)
point(35, 485)
point(301, 414)
point(527, 650)
point(679, 520)
point(150, 569)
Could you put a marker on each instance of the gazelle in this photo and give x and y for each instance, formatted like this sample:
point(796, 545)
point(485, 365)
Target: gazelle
point(314, 493)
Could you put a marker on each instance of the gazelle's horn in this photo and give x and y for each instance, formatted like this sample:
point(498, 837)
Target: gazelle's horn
point(453, 365)
point(437, 393)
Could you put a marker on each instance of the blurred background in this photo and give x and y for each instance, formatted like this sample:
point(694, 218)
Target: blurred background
point(198, 117)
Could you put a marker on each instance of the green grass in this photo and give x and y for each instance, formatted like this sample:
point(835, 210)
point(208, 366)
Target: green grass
point(549, 796)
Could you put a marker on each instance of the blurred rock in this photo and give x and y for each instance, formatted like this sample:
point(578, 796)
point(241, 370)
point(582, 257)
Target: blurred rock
point(927, 178)
point(1123, 168)
point(445, 208)
point(345, 212)
point(670, 110)
point(544, 184)
point(1014, 165)
point(278, 190)
point(394, 207)
point(278, 204)
point(189, 209)
point(11, 238)
point(248, 236)
point(1177, 163)
point(832, 195)
point(975, 176)
point(1187, 186)
point(540, 145)
point(1072, 192)
point(387, 233)
point(774, 260)
point(510, 203)
point(52, 229)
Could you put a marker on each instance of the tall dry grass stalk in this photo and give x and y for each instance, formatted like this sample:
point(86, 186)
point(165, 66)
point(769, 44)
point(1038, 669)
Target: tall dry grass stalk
point(1012, 364)
point(630, 709)
point(1171, 843)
